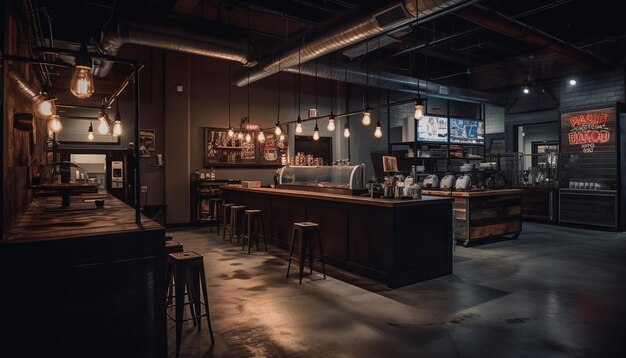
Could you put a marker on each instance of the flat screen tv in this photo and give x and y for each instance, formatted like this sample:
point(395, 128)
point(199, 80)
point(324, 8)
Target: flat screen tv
point(432, 129)
point(467, 131)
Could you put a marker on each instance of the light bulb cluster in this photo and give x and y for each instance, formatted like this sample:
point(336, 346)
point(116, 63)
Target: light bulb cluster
point(107, 126)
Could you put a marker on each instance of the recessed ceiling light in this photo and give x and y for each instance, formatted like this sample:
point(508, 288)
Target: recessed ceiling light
point(572, 82)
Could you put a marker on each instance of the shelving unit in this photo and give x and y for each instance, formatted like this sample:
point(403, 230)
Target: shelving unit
point(203, 191)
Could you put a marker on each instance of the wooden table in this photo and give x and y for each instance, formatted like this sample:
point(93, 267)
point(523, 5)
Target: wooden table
point(484, 213)
point(397, 242)
point(88, 283)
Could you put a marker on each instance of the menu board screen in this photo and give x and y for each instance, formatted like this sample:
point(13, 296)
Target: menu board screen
point(433, 129)
point(470, 131)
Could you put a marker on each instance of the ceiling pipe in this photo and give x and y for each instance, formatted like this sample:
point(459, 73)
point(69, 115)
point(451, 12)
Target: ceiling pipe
point(349, 28)
point(24, 89)
point(357, 75)
point(510, 27)
point(222, 45)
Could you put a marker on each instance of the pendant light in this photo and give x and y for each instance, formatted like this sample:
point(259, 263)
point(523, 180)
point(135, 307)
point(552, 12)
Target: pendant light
point(367, 115)
point(103, 126)
point(346, 130)
point(117, 124)
point(81, 84)
point(54, 124)
point(378, 132)
point(90, 132)
point(299, 125)
point(240, 135)
point(299, 120)
point(331, 119)
point(419, 102)
point(248, 137)
point(316, 132)
point(261, 136)
point(46, 108)
point(231, 132)
point(278, 130)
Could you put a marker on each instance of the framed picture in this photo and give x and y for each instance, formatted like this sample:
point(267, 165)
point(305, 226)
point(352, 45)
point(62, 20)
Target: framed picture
point(147, 138)
point(273, 151)
point(75, 132)
point(222, 150)
point(390, 164)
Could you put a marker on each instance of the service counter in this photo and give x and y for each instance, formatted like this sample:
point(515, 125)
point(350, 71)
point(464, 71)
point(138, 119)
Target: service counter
point(482, 214)
point(83, 281)
point(397, 242)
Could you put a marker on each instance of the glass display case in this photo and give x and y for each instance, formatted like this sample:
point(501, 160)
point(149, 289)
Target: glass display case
point(341, 179)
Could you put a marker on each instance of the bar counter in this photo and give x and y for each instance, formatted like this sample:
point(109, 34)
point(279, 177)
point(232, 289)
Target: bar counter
point(83, 282)
point(397, 242)
point(482, 214)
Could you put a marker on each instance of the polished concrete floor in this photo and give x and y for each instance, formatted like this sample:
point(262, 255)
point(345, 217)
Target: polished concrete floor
point(554, 292)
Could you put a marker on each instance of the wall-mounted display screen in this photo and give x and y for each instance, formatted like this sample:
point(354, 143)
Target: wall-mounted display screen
point(470, 131)
point(433, 129)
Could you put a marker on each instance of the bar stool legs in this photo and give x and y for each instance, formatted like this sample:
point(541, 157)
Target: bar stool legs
point(253, 226)
point(305, 230)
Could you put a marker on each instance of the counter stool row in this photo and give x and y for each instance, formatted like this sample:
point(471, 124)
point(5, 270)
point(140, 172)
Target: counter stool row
point(246, 224)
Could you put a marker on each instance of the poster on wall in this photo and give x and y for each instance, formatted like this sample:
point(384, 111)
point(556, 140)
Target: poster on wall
point(222, 150)
point(433, 129)
point(588, 131)
point(467, 131)
point(273, 151)
point(147, 139)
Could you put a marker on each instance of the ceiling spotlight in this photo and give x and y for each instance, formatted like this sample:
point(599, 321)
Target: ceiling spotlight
point(526, 90)
point(572, 82)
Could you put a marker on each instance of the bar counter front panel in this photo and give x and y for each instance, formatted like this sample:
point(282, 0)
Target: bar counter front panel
point(397, 242)
point(83, 283)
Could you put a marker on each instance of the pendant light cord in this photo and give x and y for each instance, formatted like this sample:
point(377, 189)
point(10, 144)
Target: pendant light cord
point(367, 75)
point(316, 90)
point(299, 75)
point(415, 53)
point(331, 88)
point(248, 67)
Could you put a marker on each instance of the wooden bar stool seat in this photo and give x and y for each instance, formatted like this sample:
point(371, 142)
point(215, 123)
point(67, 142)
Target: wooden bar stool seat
point(226, 224)
point(172, 246)
point(254, 226)
point(236, 221)
point(305, 232)
point(188, 270)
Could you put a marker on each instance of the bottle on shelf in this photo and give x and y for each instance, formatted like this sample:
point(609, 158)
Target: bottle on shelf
point(212, 174)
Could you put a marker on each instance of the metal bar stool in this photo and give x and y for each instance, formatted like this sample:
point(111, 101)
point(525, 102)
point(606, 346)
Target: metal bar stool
point(226, 224)
point(305, 231)
point(188, 268)
point(253, 221)
point(236, 221)
point(215, 213)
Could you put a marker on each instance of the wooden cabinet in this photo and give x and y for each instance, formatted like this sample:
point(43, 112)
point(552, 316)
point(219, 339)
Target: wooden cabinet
point(540, 204)
point(589, 207)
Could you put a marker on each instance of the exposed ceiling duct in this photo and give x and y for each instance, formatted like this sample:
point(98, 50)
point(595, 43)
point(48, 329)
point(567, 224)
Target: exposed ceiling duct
point(23, 88)
point(510, 27)
point(357, 75)
point(354, 26)
point(222, 45)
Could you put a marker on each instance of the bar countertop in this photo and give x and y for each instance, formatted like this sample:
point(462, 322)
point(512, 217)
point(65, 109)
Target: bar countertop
point(362, 200)
point(38, 222)
point(470, 194)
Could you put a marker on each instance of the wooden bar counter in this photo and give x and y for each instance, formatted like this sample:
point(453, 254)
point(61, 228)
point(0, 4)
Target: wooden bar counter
point(85, 282)
point(397, 242)
point(484, 213)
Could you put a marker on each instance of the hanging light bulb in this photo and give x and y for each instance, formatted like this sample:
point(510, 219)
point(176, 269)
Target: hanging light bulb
point(299, 125)
point(231, 132)
point(281, 137)
point(331, 123)
point(346, 131)
point(316, 132)
point(55, 123)
point(240, 135)
point(367, 117)
point(378, 132)
point(261, 137)
point(248, 137)
point(90, 132)
point(46, 108)
point(81, 84)
point(117, 125)
point(419, 108)
point(103, 126)
point(278, 130)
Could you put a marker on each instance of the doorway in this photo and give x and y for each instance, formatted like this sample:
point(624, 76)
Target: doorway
point(96, 167)
point(321, 148)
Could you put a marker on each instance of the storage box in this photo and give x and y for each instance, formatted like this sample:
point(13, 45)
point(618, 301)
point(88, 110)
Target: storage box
point(250, 184)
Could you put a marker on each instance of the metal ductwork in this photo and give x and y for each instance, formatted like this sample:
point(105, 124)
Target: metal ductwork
point(359, 75)
point(510, 27)
point(356, 25)
point(23, 88)
point(220, 45)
